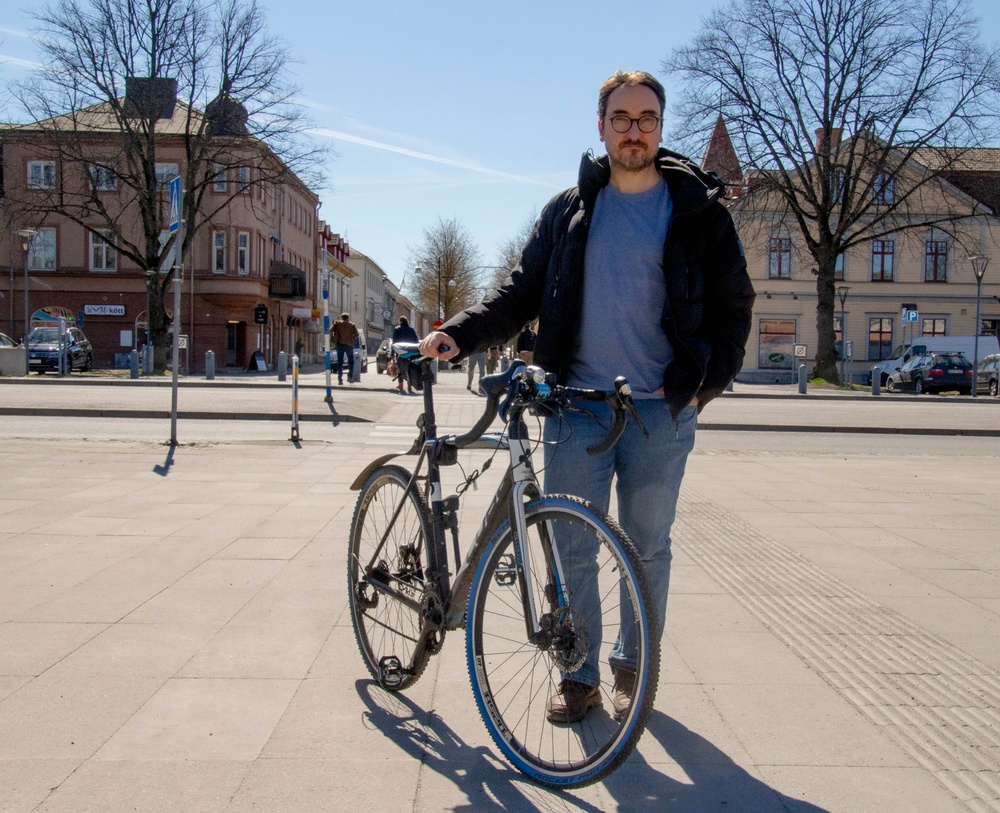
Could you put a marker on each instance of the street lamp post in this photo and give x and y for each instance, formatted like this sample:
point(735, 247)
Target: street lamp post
point(27, 236)
point(842, 293)
point(979, 263)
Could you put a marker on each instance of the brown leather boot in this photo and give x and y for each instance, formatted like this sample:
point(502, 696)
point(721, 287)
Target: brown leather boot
point(622, 692)
point(572, 702)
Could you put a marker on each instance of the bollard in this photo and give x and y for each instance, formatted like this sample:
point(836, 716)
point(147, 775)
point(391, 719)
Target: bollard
point(295, 400)
point(282, 365)
point(876, 381)
point(802, 379)
point(729, 387)
point(209, 365)
point(133, 364)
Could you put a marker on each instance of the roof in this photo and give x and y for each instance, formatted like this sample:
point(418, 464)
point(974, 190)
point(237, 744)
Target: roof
point(960, 159)
point(102, 118)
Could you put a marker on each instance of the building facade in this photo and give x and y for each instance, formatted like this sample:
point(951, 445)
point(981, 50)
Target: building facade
point(917, 281)
point(254, 245)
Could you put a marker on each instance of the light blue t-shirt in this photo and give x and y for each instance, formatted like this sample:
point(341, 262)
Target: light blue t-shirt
point(624, 293)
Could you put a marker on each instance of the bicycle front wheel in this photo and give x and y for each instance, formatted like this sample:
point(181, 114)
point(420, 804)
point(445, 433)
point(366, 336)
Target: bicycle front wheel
point(600, 612)
point(385, 579)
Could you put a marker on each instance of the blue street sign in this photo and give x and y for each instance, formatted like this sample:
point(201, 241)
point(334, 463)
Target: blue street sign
point(911, 316)
point(175, 204)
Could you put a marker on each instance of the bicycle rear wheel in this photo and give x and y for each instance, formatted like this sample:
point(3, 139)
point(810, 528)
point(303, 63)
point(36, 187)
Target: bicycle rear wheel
point(380, 582)
point(513, 677)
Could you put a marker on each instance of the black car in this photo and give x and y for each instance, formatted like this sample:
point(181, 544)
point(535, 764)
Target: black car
point(933, 372)
point(43, 350)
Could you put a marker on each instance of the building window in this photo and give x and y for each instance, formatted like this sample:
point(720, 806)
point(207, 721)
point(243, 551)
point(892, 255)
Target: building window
point(42, 254)
point(261, 254)
point(883, 260)
point(219, 178)
point(936, 261)
point(165, 173)
point(779, 258)
point(839, 272)
point(218, 252)
point(775, 345)
point(884, 190)
point(41, 174)
point(244, 176)
point(935, 327)
point(243, 253)
point(103, 256)
point(879, 338)
point(990, 327)
point(102, 178)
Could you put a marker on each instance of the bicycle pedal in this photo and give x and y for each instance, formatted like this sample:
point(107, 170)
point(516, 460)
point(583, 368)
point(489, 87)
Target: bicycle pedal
point(391, 672)
point(506, 572)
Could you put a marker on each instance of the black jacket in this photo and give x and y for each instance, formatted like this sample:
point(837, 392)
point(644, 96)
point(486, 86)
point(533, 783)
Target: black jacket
point(709, 294)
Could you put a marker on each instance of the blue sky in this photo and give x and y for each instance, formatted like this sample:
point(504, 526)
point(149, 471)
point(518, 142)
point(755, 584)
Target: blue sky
point(448, 109)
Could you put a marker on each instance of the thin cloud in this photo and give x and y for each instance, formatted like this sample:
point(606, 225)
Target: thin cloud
point(15, 32)
point(423, 156)
point(23, 63)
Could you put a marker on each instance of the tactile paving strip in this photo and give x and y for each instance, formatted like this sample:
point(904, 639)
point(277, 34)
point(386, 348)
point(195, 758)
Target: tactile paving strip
point(938, 703)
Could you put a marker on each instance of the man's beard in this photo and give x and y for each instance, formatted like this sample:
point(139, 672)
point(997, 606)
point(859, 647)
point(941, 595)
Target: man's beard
point(629, 160)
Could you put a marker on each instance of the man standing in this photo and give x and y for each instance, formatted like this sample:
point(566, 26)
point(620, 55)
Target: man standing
point(636, 271)
point(342, 335)
point(526, 345)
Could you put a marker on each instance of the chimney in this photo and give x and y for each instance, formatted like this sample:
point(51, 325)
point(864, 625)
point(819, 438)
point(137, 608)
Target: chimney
point(835, 133)
point(150, 97)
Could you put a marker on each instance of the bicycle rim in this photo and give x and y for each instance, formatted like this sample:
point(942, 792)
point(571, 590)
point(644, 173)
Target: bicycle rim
point(384, 627)
point(512, 678)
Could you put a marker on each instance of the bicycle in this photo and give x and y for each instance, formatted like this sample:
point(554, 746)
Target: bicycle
point(535, 561)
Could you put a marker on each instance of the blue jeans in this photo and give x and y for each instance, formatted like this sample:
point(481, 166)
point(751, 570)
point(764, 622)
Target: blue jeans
point(345, 351)
point(649, 473)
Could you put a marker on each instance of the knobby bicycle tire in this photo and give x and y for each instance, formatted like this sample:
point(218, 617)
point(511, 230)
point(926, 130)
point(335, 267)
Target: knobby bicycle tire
point(383, 626)
point(512, 678)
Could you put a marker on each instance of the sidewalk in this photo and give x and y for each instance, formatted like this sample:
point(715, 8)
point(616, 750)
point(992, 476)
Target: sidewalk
point(174, 636)
point(257, 396)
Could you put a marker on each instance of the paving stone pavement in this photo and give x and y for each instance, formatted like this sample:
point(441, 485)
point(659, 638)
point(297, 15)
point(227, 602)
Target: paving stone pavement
point(174, 633)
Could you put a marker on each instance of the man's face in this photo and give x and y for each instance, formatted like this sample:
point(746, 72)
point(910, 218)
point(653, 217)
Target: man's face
point(632, 151)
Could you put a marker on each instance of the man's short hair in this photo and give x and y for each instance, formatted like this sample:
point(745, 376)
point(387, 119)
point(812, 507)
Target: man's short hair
point(620, 78)
point(345, 316)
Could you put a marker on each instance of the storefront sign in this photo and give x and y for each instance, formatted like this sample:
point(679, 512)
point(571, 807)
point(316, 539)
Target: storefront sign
point(104, 310)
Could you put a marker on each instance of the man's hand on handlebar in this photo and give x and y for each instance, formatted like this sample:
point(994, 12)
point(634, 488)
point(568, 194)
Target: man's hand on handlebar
point(432, 343)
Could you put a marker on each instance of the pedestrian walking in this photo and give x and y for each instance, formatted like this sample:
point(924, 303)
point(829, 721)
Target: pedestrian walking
point(403, 332)
point(477, 360)
point(618, 291)
point(343, 334)
point(526, 345)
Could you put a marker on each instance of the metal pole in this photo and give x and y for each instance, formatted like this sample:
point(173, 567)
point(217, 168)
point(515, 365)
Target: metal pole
point(979, 263)
point(295, 400)
point(326, 330)
point(176, 343)
point(975, 342)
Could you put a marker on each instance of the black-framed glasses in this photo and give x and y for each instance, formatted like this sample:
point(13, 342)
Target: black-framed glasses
point(622, 123)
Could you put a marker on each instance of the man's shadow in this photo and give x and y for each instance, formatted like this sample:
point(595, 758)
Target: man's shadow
point(714, 781)
point(489, 783)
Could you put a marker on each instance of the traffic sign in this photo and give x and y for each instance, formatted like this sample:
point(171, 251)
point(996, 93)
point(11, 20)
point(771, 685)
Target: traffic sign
point(176, 195)
point(912, 316)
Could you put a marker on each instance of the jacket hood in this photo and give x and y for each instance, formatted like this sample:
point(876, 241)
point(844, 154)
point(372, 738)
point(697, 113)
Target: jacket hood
point(691, 188)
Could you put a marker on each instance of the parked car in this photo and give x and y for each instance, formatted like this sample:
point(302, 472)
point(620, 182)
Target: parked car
point(933, 372)
point(43, 350)
point(7, 341)
point(361, 348)
point(382, 356)
point(933, 344)
point(988, 374)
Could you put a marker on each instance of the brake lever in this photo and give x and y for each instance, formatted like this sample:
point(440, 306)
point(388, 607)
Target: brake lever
point(624, 396)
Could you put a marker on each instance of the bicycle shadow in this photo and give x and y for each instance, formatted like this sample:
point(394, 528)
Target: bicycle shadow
point(712, 780)
point(487, 781)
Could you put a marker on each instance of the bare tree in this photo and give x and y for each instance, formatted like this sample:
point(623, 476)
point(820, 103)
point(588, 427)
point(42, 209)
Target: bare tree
point(509, 252)
point(447, 274)
point(126, 79)
point(847, 114)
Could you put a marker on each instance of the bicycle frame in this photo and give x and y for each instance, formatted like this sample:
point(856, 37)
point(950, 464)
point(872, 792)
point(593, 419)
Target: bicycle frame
point(448, 601)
